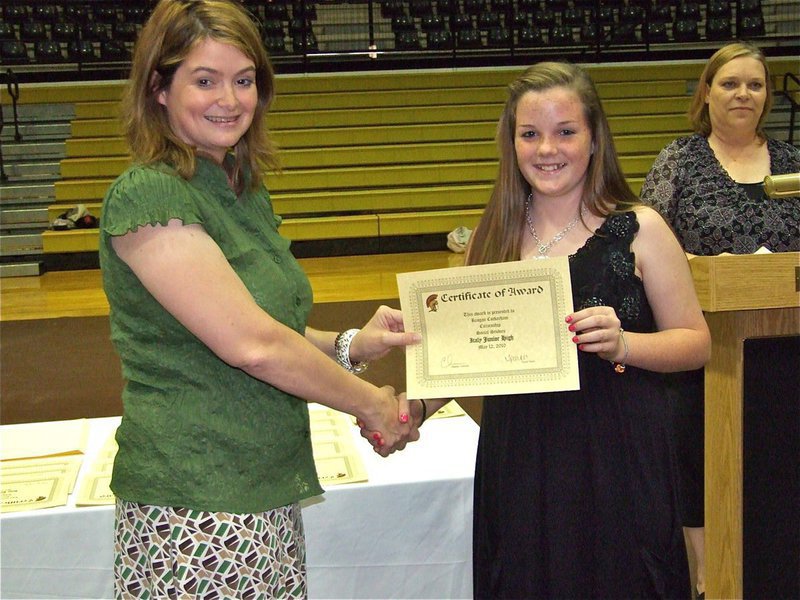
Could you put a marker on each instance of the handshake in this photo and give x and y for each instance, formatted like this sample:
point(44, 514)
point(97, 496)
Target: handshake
point(394, 423)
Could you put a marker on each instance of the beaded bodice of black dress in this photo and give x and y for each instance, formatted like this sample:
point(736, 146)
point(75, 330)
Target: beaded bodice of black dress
point(575, 492)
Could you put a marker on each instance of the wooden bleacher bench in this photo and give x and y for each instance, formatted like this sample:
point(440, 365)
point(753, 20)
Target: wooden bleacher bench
point(382, 154)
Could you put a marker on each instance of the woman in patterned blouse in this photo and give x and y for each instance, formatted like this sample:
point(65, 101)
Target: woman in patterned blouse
point(709, 187)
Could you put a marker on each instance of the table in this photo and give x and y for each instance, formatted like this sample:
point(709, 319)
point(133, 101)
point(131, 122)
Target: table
point(406, 533)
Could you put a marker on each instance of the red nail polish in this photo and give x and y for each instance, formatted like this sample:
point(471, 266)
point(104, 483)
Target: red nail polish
point(571, 327)
point(404, 418)
point(568, 319)
point(580, 346)
point(376, 436)
point(575, 339)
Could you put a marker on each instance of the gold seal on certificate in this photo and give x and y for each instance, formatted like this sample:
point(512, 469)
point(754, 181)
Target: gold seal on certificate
point(489, 329)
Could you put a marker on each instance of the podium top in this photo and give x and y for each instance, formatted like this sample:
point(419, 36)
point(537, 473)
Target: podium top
point(747, 281)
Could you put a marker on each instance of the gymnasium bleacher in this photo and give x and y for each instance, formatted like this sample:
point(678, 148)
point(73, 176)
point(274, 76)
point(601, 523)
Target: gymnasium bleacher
point(378, 155)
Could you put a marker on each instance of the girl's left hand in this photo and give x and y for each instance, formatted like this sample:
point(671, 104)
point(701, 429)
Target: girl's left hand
point(597, 329)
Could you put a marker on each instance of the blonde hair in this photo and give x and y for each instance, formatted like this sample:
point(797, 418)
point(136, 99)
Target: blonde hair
point(495, 238)
point(698, 111)
point(174, 28)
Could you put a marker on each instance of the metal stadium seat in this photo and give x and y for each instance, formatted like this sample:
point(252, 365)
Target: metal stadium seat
point(407, 40)
point(520, 20)
point(719, 9)
point(81, 51)
point(403, 23)
point(530, 37)
point(14, 52)
point(751, 26)
point(392, 8)
point(488, 20)
point(460, 21)
point(498, 37)
point(688, 11)
point(32, 31)
point(590, 33)
point(420, 8)
point(273, 27)
point(440, 40)
point(64, 31)
point(15, 13)
point(655, 32)
point(297, 26)
point(114, 50)
point(624, 33)
point(48, 51)
point(604, 15)
point(77, 13)
point(7, 32)
point(430, 23)
point(501, 6)
point(106, 14)
point(304, 8)
point(469, 38)
point(750, 8)
point(124, 31)
point(561, 35)
point(275, 44)
point(685, 30)
point(573, 16)
point(446, 7)
point(95, 32)
point(718, 28)
point(44, 13)
point(660, 13)
point(473, 7)
point(544, 18)
point(632, 14)
point(135, 14)
point(278, 10)
point(305, 43)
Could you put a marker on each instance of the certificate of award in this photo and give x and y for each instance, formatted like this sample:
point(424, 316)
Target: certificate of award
point(489, 329)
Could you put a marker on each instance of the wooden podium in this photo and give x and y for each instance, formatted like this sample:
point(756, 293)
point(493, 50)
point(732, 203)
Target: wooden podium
point(743, 296)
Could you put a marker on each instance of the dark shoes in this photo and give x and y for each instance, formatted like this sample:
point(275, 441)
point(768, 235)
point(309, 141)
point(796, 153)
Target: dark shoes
point(75, 218)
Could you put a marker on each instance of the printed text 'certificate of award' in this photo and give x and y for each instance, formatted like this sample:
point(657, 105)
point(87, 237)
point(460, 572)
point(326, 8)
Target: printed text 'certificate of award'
point(489, 329)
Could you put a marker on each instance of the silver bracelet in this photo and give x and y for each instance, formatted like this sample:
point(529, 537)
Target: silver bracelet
point(342, 348)
point(619, 367)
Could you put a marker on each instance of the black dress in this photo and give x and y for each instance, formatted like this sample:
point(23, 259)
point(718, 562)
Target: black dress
point(575, 493)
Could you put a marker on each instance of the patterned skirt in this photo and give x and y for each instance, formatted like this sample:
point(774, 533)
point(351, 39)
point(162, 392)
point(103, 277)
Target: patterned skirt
point(165, 552)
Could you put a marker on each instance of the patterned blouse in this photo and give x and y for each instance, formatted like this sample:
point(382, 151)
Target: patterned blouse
point(709, 212)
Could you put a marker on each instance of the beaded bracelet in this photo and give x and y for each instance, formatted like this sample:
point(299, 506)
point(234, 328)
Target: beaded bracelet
point(342, 348)
point(619, 367)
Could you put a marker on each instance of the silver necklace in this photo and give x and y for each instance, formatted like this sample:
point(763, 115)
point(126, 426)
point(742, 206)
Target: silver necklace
point(540, 245)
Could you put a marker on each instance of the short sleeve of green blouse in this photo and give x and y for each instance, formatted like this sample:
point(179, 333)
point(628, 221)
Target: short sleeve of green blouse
point(147, 196)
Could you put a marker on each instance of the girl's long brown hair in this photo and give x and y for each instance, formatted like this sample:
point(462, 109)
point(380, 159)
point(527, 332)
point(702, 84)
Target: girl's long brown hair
point(497, 236)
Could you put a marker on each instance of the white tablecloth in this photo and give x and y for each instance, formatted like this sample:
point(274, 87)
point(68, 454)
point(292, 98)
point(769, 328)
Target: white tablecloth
point(407, 533)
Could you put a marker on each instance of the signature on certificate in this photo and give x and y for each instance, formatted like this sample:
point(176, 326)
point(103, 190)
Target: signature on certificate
point(518, 358)
point(448, 361)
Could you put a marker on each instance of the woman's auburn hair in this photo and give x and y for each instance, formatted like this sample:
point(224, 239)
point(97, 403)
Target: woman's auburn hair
point(497, 236)
point(172, 31)
point(698, 110)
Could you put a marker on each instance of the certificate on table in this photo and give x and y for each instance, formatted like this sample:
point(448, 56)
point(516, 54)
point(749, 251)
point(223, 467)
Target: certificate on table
point(489, 329)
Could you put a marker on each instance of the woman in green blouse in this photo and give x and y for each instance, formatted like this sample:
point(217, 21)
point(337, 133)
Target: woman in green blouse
point(208, 314)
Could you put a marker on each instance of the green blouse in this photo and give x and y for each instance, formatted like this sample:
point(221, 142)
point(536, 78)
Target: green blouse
point(196, 432)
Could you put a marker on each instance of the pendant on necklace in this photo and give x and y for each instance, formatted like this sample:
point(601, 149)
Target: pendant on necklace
point(541, 246)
